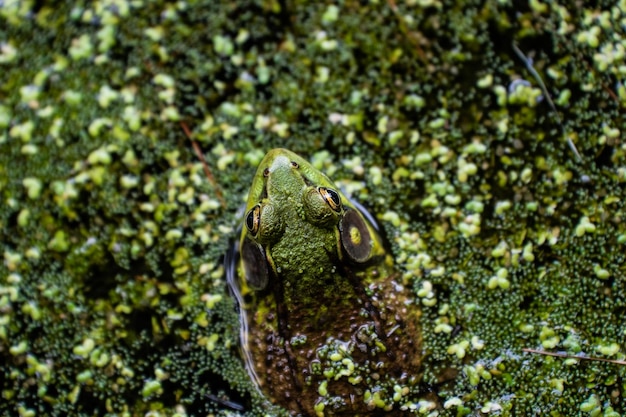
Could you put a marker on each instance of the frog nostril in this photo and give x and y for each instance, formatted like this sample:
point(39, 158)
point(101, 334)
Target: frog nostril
point(266, 172)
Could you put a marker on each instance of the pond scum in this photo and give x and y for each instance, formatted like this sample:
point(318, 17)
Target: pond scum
point(113, 298)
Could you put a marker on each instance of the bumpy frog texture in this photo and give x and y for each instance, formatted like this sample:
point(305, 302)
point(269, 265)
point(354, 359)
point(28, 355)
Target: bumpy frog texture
point(327, 328)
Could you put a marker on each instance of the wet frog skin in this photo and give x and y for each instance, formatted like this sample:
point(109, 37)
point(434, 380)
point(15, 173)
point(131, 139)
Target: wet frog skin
point(326, 328)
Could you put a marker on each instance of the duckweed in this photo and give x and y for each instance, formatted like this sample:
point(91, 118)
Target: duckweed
point(112, 292)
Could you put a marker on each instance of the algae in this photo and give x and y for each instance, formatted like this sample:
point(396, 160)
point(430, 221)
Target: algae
point(112, 291)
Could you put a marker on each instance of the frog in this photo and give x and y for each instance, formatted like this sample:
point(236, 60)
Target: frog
point(328, 327)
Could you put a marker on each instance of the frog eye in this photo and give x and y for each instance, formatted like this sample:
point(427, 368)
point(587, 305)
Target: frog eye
point(264, 223)
point(253, 220)
point(322, 206)
point(294, 164)
point(255, 265)
point(355, 237)
point(331, 197)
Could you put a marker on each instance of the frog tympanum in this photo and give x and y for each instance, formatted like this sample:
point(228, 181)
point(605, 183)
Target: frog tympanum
point(327, 329)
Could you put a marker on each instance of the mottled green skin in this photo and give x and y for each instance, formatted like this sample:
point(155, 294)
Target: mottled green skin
point(327, 335)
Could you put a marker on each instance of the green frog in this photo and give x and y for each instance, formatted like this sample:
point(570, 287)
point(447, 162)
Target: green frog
point(327, 328)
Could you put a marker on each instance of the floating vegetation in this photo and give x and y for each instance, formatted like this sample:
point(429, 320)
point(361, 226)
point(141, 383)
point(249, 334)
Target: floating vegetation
point(113, 297)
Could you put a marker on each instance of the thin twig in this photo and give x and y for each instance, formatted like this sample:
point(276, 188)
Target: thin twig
point(535, 74)
point(565, 355)
point(205, 166)
point(411, 37)
point(230, 404)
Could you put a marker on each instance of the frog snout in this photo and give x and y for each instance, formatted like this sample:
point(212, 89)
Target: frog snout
point(280, 162)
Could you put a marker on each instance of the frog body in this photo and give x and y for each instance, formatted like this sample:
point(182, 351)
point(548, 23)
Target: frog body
point(327, 328)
